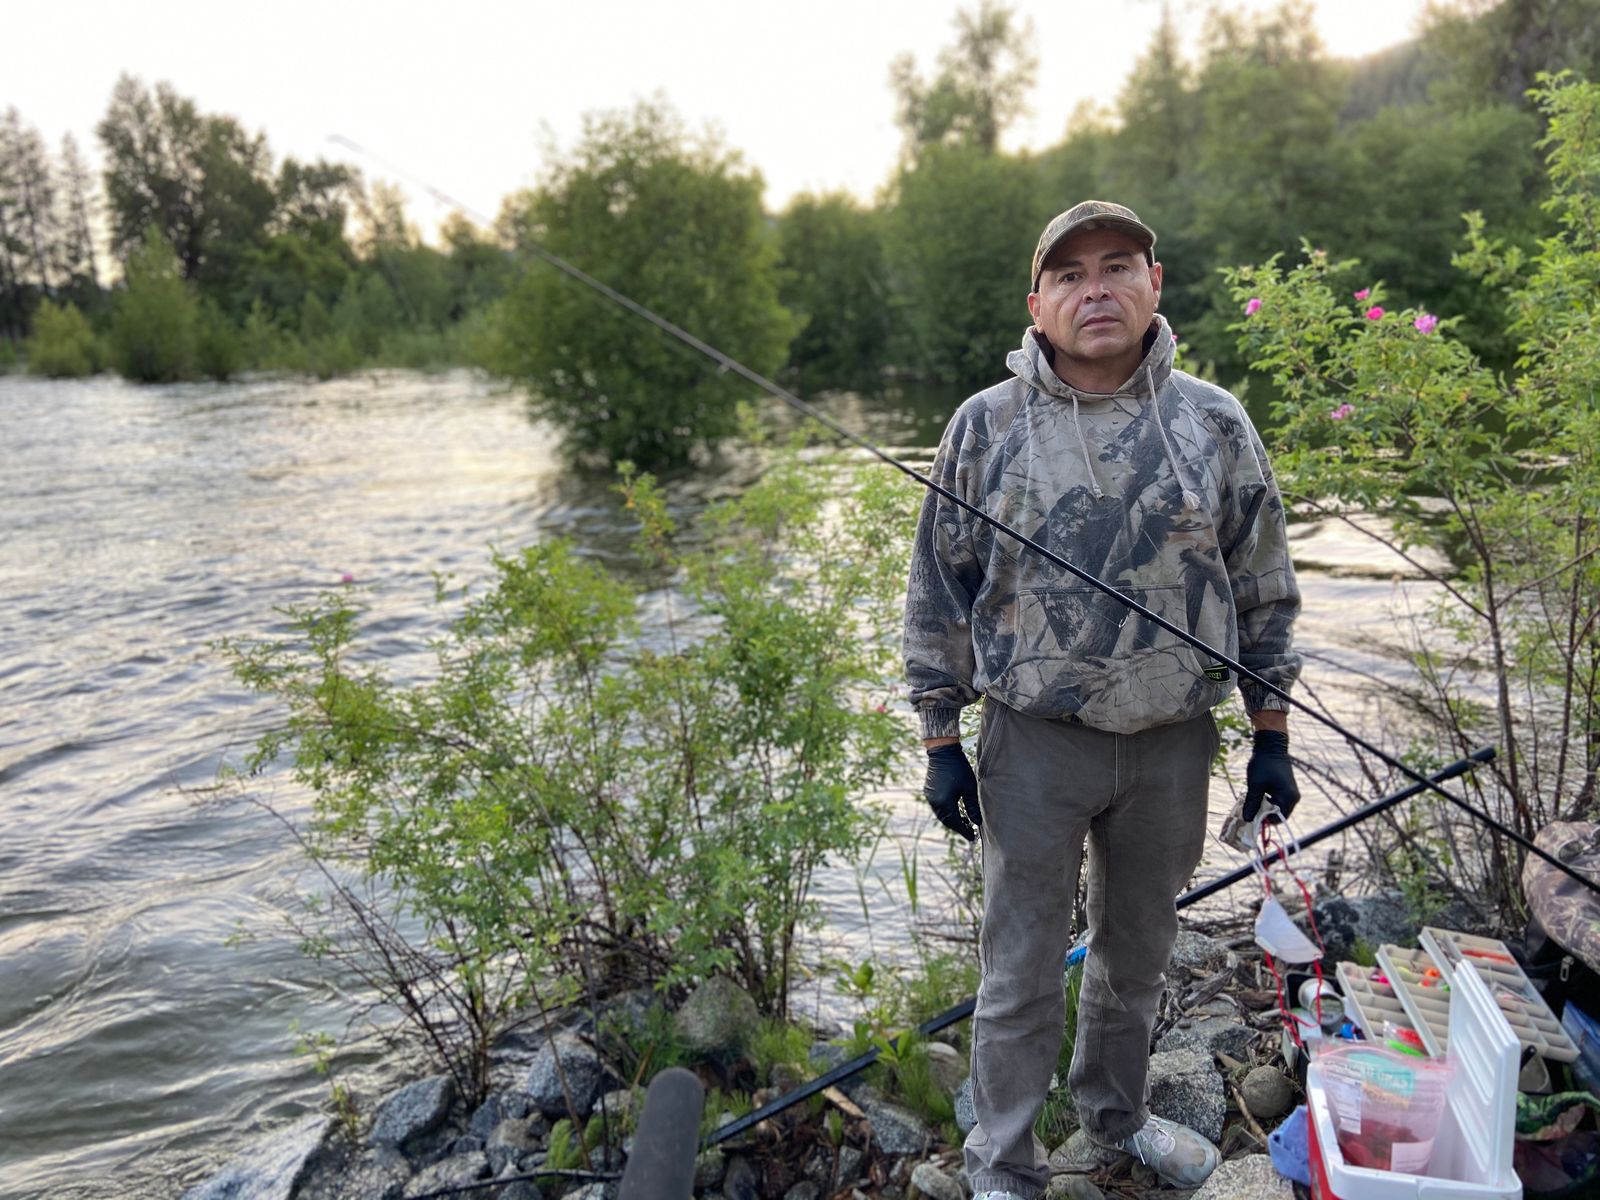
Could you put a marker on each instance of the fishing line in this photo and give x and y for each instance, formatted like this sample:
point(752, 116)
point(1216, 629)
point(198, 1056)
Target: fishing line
point(725, 363)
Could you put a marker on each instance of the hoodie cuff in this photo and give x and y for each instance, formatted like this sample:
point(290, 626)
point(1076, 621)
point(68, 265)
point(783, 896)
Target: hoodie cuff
point(1257, 698)
point(941, 721)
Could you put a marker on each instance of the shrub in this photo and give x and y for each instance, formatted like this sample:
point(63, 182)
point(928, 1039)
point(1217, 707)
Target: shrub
point(1386, 414)
point(155, 324)
point(63, 346)
point(565, 808)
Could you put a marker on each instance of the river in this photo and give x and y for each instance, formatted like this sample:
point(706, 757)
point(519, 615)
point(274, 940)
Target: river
point(142, 1038)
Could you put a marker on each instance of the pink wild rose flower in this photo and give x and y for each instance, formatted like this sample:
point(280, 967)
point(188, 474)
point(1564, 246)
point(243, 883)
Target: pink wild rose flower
point(1252, 306)
point(1363, 293)
point(1375, 313)
point(1426, 323)
point(1343, 411)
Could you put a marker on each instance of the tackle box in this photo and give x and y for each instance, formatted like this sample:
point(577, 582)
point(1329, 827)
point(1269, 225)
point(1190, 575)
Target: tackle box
point(1371, 1005)
point(1426, 1004)
point(1530, 1017)
point(1471, 1158)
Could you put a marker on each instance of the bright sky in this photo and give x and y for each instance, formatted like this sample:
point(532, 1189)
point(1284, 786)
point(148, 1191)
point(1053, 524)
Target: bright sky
point(466, 95)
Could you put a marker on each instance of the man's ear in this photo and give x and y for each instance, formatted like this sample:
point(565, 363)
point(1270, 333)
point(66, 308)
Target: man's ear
point(1155, 281)
point(1033, 306)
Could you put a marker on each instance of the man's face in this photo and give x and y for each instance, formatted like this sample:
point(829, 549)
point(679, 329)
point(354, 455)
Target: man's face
point(1095, 300)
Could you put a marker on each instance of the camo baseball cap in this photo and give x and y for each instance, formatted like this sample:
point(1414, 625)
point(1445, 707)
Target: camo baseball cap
point(1091, 214)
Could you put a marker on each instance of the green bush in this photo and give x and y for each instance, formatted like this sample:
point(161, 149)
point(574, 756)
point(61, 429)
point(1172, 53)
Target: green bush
point(63, 346)
point(218, 349)
point(677, 225)
point(155, 324)
point(564, 808)
point(1385, 414)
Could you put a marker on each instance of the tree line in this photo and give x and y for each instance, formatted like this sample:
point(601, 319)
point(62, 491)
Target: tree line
point(1257, 140)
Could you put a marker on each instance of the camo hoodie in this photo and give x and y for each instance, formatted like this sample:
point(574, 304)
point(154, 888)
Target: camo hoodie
point(1161, 489)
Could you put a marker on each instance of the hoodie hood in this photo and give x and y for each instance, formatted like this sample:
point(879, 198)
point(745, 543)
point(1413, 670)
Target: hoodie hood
point(1031, 363)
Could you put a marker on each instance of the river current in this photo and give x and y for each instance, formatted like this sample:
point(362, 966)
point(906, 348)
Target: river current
point(148, 987)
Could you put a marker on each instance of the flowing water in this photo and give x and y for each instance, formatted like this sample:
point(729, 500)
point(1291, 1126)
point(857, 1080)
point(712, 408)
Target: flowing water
point(142, 1038)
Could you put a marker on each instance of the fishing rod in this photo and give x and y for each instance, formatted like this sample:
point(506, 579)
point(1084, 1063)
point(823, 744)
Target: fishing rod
point(727, 363)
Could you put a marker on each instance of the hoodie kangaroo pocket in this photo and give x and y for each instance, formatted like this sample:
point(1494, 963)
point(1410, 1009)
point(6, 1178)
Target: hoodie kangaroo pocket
point(1116, 669)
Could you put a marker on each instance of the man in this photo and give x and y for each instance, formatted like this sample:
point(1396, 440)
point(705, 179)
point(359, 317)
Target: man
point(1096, 722)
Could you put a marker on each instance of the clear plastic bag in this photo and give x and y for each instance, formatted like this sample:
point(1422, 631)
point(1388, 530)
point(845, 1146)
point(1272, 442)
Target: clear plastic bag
point(1385, 1106)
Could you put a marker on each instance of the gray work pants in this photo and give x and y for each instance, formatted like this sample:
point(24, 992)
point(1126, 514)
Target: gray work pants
point(1141, 800)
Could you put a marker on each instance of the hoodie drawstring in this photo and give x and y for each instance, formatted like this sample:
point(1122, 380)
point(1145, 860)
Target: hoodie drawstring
point(1191, 501)
point(1083, 445)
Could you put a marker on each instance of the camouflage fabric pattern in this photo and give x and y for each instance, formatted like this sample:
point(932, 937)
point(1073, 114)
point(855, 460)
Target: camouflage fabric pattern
point(1569, 912)
point(1188, 522)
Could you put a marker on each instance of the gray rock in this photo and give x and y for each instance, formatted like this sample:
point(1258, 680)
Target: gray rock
point(508, 1143)
point(1078, 1152)
point(739, 1181)
point(1196, 952)
point(599, 1190)
point(585, 1075)
point(1375, 920)
point(1072, 1187)
point(465, 1144)
point(948, 1066)
point(271, 1169)
point(416, 1109)
point(709, 1166)
point(1185, 1087)
point(933, 1183)
point(380, 1173)
point(1266, 1093)
point(1209, 1035)
point(619, 1104)
point(717, 1019)
point(849, 1169)
point(896, 1130)
point(966, 1118)
point(522, 1189)
point(487, 1115)
point(1251, 1178)
point(807, 1190)
point(452, 1172)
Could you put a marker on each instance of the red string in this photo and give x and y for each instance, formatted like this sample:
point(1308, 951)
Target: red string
point(1291, 1022)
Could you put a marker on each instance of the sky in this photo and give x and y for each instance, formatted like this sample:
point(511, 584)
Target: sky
point(468, 97)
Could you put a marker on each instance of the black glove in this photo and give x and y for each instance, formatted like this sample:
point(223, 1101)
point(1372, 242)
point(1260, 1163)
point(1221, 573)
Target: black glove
point(1270, 775)
point(951, 787)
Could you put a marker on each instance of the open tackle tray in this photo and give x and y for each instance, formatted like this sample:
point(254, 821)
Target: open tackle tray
point(1428, 1005)
point(1372, 1005)
point(1529, 1016)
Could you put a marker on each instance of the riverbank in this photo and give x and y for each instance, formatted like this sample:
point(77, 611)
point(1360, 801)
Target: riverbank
point(1217, 1066)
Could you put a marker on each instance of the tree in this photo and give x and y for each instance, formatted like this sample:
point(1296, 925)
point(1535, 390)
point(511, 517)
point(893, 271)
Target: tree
point(27, 205)
point(960, 237)
point(834, 279)
point(156, 324)
point(980, 88)
point(675, 223)
point(200, 180)
point(77, 218)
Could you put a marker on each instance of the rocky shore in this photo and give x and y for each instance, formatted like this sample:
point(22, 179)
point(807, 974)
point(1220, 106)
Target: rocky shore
point(1217, 1067)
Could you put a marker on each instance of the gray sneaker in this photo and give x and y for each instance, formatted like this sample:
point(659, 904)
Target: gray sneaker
point(1176, 1153)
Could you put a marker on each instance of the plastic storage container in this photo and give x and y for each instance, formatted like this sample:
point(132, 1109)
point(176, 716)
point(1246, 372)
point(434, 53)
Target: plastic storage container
point(1471, 1157)
point(1385, 1106)
point(1530, 1017)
